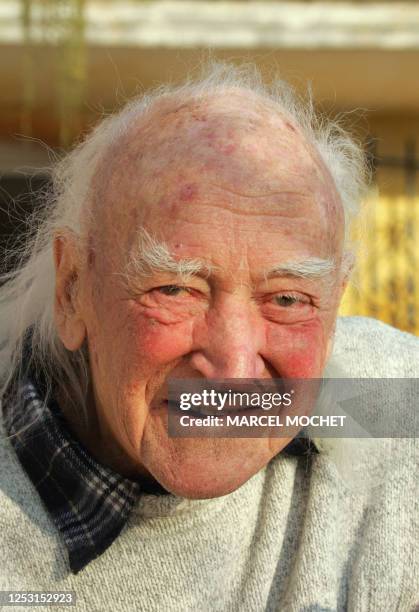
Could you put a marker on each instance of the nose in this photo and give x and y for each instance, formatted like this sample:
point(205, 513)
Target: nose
point(231, 342)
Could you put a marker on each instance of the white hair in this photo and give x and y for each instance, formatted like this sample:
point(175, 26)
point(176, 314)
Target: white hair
point(27, 293)
point(149, 255)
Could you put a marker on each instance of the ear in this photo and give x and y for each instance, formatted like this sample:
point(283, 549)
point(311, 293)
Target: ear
point(68, 317)
point(348, 262)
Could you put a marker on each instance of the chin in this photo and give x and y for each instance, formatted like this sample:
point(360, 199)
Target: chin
point(201, 475)
point(192, 489)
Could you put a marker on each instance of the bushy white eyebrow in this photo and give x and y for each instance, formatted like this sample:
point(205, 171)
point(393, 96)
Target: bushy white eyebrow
point(149, 256)
point(310, 268)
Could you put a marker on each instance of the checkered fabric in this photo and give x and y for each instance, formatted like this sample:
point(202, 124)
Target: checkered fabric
point(88, 502)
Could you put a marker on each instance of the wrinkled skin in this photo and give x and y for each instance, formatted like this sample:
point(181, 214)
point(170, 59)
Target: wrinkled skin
point(243, 191)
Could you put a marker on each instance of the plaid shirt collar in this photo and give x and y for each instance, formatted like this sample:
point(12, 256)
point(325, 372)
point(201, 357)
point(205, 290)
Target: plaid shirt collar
point(88, 502)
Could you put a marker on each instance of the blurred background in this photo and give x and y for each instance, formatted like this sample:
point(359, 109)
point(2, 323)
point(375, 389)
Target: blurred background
point(64, 64)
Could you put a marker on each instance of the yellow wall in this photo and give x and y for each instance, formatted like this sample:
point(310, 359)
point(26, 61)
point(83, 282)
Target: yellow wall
point(385, 283)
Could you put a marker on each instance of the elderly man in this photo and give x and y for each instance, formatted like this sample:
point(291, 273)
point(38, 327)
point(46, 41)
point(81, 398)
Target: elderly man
point(201, 233)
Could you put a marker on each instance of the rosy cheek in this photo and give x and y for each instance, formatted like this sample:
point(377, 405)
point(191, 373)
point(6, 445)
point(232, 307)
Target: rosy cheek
point(297, 351)
point(299, 365)
point(161, 343)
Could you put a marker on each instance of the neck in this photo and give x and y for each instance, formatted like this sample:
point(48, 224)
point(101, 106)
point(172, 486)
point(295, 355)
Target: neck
point(104, 448)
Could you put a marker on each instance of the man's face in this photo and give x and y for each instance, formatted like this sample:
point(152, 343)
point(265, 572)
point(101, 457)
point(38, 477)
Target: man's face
point(244, 196)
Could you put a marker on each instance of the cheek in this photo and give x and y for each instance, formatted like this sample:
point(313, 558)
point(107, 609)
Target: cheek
point(298, 351)
point(161, 343)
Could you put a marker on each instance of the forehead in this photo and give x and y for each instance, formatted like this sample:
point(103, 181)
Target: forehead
point(232, 139)
point(214, 163)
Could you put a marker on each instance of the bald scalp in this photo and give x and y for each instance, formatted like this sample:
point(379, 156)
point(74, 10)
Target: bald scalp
point(234, 140)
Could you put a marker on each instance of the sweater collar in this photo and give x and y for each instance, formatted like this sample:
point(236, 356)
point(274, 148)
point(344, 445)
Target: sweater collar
point(88, 502)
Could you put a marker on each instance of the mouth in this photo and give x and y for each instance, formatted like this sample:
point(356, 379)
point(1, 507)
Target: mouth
point(230, 409)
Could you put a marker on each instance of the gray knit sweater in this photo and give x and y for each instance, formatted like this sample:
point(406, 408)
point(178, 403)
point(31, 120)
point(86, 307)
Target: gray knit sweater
point(298, 536)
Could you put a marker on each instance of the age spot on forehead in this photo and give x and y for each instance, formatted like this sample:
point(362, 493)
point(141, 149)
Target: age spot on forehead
point(228, 149)
point(198, 115)
point(290, 126)
point(188, 192)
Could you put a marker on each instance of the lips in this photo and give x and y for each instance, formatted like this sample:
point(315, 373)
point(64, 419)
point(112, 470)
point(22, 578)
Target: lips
point(228, 409)
point(204, 411)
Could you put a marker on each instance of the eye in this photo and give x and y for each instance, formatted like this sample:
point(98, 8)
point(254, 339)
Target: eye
point(286, 300)
point(171, 290)
point(289, 307)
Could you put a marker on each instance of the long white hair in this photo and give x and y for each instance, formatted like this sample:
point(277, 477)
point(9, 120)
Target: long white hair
point(27, 292)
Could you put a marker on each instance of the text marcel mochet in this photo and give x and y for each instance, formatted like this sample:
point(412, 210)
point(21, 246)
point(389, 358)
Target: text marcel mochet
point(266, 401)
